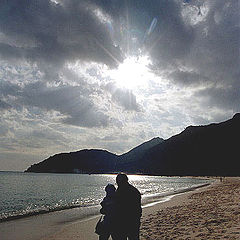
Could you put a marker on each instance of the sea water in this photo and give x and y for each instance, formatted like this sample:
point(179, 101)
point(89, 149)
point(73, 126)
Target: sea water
point(24, 194)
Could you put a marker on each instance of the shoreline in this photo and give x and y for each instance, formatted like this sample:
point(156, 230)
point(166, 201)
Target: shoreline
point(149, 199)
point(180, 218)
point(94, 209)
point(67, 223)
point(84, 230)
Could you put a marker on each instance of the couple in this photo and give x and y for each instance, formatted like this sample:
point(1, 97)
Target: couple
point(122, 210)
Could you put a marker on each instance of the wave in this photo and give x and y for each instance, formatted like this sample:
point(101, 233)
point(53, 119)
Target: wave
point(33, 212)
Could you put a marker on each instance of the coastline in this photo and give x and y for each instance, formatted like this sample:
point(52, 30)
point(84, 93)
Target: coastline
point(165, 220)
point(93, 209)
point(84, 230)
point(155, 220)
point(40, 226)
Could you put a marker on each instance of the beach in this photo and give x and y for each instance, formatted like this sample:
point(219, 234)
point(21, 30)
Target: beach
point(210, 212)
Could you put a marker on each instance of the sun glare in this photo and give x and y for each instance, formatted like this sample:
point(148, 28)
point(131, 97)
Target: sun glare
point(132, 73)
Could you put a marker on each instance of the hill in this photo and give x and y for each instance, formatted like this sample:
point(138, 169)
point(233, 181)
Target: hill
point(84, 161)
point(198, 150)
point(92, 160)
point(128, 161)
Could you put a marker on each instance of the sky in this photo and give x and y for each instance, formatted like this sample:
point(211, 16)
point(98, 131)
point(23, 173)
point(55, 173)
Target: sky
point(111, 74)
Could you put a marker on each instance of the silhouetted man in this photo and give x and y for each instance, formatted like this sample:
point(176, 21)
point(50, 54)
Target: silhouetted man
point(129, 210)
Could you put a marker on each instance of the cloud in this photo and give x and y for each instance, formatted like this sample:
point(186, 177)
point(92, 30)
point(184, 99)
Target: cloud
point(215, 47)
point(3, 131)
point(126, 98)
point(188, 78)
point(56, 57)
point(71, 101)
point(123, 97)
point(45, 32)
point(4, 105)
point(202, 54)
point(7, 88)
point(222, 97)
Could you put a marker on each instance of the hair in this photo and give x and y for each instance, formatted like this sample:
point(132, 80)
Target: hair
point(121, 178)
point(110, 188)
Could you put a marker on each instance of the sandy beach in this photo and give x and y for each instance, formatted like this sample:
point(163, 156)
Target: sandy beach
point(211, 212)
point(208, 213)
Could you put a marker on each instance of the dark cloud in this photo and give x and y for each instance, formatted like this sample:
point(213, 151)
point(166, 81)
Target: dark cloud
point(216, 56)
point(169, 40)
point(43, 31)
point(8, 88)
point(204, 52)
point(222, 97)
point(187, 78)
point(71, 101)
point(193, 49)
point(4, 105)
point(216, 48)
point(10, 52)
point(173, 39)
point(200, 51)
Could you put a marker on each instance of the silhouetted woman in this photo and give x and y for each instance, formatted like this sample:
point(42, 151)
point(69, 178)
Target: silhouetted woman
point(108, 210)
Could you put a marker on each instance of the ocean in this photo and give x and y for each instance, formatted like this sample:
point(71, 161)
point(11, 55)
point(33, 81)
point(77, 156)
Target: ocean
point(26, 194)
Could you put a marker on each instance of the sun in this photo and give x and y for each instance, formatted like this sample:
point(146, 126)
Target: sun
point(132, 73)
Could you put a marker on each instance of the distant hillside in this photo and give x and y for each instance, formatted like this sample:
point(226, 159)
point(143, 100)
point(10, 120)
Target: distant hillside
point(84, 161)
point(92, 161)
point(126, 160)
point(201, 150)
point(198, 150)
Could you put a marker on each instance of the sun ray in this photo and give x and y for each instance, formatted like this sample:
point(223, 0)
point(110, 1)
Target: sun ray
point(128, 27)
point(132, 73)
point(107, 52)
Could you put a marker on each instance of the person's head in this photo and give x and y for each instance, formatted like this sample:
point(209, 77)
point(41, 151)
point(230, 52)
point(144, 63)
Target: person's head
point(121, 179)
point(110, 189)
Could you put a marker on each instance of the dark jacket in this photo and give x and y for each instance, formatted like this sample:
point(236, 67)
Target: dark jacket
point(128, 203)
point(108, 209)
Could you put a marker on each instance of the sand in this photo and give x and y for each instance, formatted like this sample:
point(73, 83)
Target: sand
point(211, 212)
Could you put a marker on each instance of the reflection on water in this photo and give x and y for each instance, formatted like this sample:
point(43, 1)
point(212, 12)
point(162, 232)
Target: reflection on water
point(31, 193)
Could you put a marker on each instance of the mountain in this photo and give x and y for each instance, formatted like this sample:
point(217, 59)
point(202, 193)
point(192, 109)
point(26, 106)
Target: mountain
point(127, 162)
point(92, 161)
point(84, 161)
point(199, 150)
